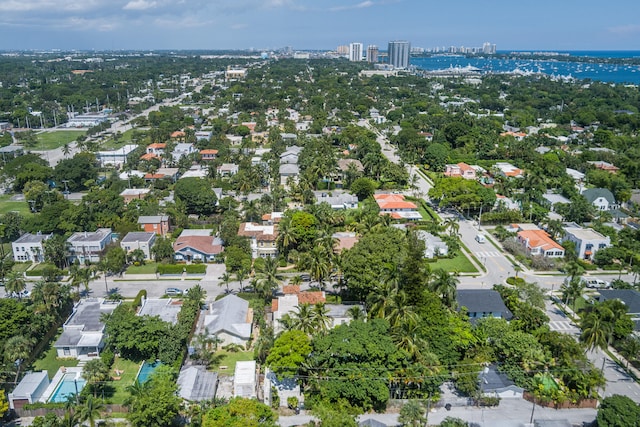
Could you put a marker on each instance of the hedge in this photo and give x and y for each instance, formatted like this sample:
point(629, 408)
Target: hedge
point(180, 268)
point(138, 299)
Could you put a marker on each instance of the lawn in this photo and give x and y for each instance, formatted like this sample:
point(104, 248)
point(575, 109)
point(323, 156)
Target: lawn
point(56, 139)
point(49, 362)
point(230, 359)
point(126, 372)
point(148, 268)
point(7, 205)
point(125, 138)
point(21, 267)
point(459, 263)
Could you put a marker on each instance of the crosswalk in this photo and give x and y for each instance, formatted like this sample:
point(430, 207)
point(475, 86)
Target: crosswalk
point(488, 254)
point(562, 326)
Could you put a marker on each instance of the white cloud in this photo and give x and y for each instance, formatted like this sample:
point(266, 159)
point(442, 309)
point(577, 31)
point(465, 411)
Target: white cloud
point(625, 29)
point(140, 5)
point(361, 5)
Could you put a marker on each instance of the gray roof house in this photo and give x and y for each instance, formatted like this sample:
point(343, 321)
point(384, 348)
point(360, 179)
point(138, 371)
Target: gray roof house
point(230, 319)
point(337, 200)
point(601, 198)
point(498, 384)
point(29, 247)
point(630, 298)
point(29, 389)
point(138, 240)
point(88, 246)
point(82, 334)
point(482, 303)
point(166, 309)
point(196, 384)
point(433, 245)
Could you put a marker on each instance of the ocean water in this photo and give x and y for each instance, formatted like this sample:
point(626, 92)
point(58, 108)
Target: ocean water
point(606, 66)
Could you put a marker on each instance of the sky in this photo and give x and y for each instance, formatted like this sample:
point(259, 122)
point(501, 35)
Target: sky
point(317, 24)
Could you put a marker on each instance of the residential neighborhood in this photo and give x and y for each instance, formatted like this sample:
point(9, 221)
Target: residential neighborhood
point(302, 240)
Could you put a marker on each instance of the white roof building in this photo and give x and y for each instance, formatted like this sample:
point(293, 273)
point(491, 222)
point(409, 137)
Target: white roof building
point(244, 380)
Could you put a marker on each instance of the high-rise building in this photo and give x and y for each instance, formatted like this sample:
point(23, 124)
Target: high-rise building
point(343, 50)
point(372, 53)
point(355, 52)
point(399, 53)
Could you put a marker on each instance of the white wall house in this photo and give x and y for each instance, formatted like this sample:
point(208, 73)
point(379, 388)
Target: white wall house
point(587, 241)
point(88, 246)
point(29, 247)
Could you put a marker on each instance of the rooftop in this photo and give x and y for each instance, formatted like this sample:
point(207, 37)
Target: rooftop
point(481, 300)
point(166, 309)
point(32, 238)
point(29, 385)
point(138, 236)
point(85, 236)
point(195, 383)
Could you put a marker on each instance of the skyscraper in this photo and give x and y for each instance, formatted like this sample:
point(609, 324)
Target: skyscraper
point(399, 53)
point(355, 52)
point(372, 53)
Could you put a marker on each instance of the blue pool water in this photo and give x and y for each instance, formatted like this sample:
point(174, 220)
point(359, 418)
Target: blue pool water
point(67, 387)
point(147, 370)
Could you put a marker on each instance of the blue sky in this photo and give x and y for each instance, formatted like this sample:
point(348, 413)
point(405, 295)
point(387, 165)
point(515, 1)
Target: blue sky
point(317, 24)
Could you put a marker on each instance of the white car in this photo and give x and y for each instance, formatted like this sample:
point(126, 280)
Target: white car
point(594, 283)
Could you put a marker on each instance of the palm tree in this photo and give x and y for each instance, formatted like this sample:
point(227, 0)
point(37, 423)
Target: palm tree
point(15, 284)
point(319, 264)
point(571, 291)
point(66, 149)
point(241, 274)
point(90, 410)
point(413, 413)
point(444, 285)
point(452, 225)
point(95, 372)
point(320, 315)
point(135, 390)
point(596, 331)
point(225, 279)
point(303, 319)
point(16, 350)
point(268, 274)
point(379, 300)
point(356, 313)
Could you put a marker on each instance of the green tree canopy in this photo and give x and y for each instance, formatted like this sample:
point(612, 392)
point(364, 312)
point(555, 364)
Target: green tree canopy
point(197, 195)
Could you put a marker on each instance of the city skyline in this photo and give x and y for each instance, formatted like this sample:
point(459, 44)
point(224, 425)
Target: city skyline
point(305, 24)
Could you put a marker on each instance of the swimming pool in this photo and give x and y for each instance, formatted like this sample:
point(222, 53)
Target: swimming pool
point(67, 386)
point(146, 370)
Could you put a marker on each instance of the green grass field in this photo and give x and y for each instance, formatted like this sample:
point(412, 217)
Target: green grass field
point(148, 268)
point(49, 362)
point(124, 377)
point(228, 364)
point(459, 263)
point(21, 267)
point(56, 139)
point(7, 205)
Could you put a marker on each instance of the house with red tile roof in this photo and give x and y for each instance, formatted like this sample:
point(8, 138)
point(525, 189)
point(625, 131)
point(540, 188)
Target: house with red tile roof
point(157, 148)
point(461, 169)
point(538, 242)
point(208, 155)
point(194, 245)
point(397, 207)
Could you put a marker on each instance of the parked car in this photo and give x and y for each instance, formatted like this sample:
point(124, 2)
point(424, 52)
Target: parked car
point(173, 292)
point(595, 283)
point(480, 238)
point(23, 294)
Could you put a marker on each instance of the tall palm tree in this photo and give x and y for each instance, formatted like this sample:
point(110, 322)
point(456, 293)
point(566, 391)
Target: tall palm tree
point(320, 315)
point(225, 279)
point(90, 410)
point(596, 331)
point(303, 319)
point(380, 299)
point(444, 285)
point(356, 313)
point(16, 350)
point(319, 264)
point(95, 371)
point(268, 273)
point(15, 284)
point(452, 225)
point(571, 291)
point(242, 274)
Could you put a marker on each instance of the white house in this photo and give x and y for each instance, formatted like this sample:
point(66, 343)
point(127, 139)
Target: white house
point(587, 240)
point(29, 247)
point(29, 390)
point(88, 246)
point(183, 149)
point(245, 380)
point(337, 200)
point(230, 320)
point(138, 240)
point(433, 245)
point(83, 333)
point(115, 157)
point(601, 198)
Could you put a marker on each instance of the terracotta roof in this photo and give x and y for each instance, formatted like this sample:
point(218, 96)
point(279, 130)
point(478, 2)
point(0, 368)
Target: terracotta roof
point(396, 205)
point(154, 176)
point(465, 167)
point(291, 289)
point(345, 243)
point(538, 239)
point(311, 297)
point(274, 305)
point(266, 217)
point(178, 134)
point(149, 156)
point(514, 172)
point(208, 151)
point(202, 244)
point(157, 145)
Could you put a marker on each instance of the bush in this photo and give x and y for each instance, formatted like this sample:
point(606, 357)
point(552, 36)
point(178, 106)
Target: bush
point(107, 358)
point(138, 299)
point(292, 402)
point(488, 401)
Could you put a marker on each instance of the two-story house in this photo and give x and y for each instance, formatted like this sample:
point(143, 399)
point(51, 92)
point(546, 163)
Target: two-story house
point(29, 247)
point(87, 246)
point(158, 224)
point(601, 198)
point(262, 239)
point(208, 155)
point(138, 240)
point(587, 240)
point(461, 170)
